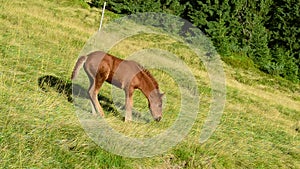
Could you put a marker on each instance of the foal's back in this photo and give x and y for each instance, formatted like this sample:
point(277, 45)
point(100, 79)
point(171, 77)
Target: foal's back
point(115, 70)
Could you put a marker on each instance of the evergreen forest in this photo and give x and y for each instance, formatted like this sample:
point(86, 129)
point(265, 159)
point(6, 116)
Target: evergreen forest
point(247, 33)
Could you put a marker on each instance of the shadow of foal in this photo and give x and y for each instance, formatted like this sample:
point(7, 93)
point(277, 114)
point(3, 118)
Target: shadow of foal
point(48, 82)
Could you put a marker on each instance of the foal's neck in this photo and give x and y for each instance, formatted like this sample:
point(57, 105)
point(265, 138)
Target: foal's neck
point(148, 84)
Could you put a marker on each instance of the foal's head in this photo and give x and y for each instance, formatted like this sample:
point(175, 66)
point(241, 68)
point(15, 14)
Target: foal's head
point(155, 104)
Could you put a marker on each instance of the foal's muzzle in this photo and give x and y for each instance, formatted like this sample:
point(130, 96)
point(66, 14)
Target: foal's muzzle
point(158, 119)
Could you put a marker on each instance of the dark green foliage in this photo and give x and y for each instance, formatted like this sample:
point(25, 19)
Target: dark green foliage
point(134, 6)
point(266, 31)
point(129, 6)
point(284, 29)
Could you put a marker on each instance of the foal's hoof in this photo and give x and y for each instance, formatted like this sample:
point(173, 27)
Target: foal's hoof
point(158, 118)
point(98, 114)
point(127, 120)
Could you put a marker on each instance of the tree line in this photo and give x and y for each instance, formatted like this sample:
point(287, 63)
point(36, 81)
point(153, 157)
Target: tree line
point(267, 31)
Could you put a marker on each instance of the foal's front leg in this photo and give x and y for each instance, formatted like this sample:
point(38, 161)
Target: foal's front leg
point(128, 104)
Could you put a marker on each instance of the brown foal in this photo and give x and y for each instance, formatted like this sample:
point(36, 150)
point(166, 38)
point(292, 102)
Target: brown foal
point(125, 74)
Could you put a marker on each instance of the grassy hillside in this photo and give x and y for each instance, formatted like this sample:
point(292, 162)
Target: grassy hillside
point(41, 40)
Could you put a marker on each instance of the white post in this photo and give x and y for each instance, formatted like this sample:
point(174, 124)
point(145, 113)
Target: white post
point(102, 16)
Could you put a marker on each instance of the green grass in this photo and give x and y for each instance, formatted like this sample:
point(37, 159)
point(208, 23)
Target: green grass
point(40, 129)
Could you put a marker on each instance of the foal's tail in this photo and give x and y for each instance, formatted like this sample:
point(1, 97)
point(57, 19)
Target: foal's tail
point(77, 66)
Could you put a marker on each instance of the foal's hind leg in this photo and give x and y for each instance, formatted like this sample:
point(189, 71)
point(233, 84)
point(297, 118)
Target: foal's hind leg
point(128, 104)
point(95, 86)
point(93, 93)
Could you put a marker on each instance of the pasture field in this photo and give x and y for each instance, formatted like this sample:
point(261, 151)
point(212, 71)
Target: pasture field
point(40, 41)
